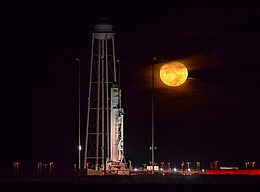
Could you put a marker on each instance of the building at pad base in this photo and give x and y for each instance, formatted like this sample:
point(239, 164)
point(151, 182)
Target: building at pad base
point(104, 146)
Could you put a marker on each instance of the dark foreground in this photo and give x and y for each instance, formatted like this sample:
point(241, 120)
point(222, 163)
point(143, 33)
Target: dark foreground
point(135, 183)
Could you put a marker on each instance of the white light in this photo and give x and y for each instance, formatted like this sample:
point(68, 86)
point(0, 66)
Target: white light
point(175, 169)
point(202, 170)
point(80, 147)
point(135, 169)
point(189, 169)
point(161, 169)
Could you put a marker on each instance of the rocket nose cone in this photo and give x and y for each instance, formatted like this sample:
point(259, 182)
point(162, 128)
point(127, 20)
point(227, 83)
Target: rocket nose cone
point(114, 85)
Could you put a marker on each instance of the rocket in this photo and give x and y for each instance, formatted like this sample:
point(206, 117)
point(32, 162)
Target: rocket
point(116, 125)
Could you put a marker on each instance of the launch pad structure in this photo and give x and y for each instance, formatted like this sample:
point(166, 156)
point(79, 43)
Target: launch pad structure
point(104, 147)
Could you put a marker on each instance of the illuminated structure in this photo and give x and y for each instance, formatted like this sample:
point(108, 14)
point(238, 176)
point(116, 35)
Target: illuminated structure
point(104, 147)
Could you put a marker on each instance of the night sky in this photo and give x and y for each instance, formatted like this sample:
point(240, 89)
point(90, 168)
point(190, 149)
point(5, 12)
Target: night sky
point(213, 116)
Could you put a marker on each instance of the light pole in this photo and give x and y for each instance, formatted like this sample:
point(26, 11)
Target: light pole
point(198, 165)
point(51, 163)
point(162, 163)
point(40, 168)
point(79, 116)
point(182, 165)
point(45, 166)
point(153, 115)
point(16, 168)
point(253, 165)
point(169, 166)
point(247, 163)
point(188, 163)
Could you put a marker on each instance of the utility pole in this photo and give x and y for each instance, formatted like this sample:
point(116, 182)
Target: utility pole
point(153, 115)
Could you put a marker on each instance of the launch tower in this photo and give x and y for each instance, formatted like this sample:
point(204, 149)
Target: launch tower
point(104, 147)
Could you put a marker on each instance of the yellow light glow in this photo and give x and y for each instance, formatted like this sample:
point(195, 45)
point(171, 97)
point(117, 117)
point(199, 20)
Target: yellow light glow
point(173, 74)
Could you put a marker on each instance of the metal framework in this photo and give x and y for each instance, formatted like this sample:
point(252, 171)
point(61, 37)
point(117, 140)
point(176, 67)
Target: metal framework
point(104, 123)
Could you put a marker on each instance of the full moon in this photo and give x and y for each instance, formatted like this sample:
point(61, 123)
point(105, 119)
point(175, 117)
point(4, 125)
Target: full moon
point(173, 74)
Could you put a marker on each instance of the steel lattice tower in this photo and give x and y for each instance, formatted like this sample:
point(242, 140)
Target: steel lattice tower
point(102, 76)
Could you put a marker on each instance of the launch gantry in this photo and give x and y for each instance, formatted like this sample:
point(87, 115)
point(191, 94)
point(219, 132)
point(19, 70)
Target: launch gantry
point(104, 147)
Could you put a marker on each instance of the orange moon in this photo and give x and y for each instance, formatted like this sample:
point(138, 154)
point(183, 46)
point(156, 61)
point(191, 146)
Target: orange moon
point(173, 74)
